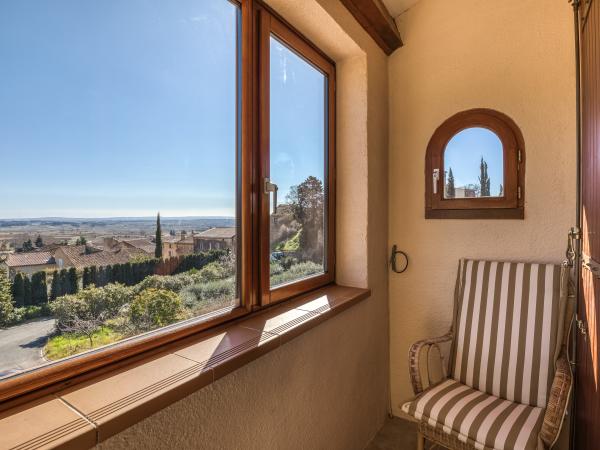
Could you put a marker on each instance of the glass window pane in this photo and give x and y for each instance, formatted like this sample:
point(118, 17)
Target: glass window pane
point(110, 112)
point(297, 160)
point(474, 165)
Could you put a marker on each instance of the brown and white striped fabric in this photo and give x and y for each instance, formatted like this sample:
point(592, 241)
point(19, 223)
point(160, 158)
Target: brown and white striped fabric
point(506, 329)
point(484, 421)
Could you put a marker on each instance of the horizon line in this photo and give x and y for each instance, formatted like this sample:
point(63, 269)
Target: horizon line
point(113, 217)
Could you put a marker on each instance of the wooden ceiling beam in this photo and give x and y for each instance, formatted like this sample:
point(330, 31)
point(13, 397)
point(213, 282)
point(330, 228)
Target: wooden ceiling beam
point(373, 16)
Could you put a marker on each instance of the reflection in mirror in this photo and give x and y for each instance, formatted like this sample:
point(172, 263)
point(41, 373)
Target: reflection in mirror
point(474, 165)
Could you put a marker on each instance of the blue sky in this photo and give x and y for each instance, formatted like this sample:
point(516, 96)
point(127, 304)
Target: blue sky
point(297, 125)
point(125, 108)
point(464, 152)
point(117, 108)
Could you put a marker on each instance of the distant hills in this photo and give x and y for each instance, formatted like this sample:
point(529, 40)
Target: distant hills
point(193, 221)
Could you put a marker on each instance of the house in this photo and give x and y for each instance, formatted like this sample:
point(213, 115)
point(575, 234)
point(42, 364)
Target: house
point(464, 192)
point(80, 256)
point(177, 245)
point(218, 238)
point(28, 263)
point(144, 245)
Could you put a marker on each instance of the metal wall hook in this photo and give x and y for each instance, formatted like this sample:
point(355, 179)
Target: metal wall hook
point(395, 251)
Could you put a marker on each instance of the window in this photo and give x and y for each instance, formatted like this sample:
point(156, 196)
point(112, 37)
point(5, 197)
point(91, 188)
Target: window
point(298, 169)
point(475, 168)
point(132, 138)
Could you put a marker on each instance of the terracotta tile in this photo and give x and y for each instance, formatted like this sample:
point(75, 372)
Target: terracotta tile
point(118, 400)
point(45, 424)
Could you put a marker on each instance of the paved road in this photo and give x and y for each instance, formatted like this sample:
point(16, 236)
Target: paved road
point(20, 345)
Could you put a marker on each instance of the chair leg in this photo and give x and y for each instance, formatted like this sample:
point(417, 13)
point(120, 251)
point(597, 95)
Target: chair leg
point(420, 441)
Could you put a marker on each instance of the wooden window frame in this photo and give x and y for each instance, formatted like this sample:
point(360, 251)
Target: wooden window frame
point(252, 162)
point(272, 24)
point(511, 204)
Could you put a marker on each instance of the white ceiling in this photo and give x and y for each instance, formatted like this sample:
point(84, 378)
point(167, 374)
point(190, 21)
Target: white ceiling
point(395, 7)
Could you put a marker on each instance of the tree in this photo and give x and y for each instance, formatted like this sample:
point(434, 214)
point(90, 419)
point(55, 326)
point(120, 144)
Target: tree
point(27, 246)
point(27, 300)
point(450, 189)
point(73, 285)
point(64, 282)
point(484, 179)
point(39, 288)
point(87, 311)
point(94, 275)
point(81, 241)
point(158, 238)
point(18, 292)
point(307, 202)
point(55, 286)
point(153, 308)
point(85, 279)
point(6, 300)
point(501, 193)
point(39, 242)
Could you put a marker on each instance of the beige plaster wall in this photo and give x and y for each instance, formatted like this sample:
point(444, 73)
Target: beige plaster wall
point(328, 389)
point(515, 56)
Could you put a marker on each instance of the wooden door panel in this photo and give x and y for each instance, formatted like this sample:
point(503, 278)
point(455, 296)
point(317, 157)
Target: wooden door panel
point(587, 413)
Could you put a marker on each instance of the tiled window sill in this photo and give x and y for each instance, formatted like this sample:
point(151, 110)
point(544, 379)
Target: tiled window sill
point(85, 414)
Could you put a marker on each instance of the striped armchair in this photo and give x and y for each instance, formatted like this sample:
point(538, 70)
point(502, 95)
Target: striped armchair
point(509, 378)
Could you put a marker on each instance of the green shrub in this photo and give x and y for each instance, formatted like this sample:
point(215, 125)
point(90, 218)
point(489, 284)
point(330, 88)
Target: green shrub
point(90, 305)
point(276, 268)
point(201, 295)
point(173, 283)
point(288, 261)
point(296, 272)
point(213, 271)
point(6, 301)
point(29, 312)
point(155, 308)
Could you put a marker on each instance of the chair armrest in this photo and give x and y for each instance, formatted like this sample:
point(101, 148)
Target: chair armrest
point(557, 403)
point(414, 359)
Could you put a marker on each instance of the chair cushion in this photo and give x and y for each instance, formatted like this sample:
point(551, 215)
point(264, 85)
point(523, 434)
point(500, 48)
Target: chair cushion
point(482, 420)
point(507, 326)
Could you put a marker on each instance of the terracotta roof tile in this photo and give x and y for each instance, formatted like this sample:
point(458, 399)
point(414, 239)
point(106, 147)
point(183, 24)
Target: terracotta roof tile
point(218, 233)
point(29, 259)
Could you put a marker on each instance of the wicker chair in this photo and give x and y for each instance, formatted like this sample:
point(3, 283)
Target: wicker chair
point(509, 377)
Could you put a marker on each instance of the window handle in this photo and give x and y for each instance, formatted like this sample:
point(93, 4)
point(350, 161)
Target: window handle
point(272, 187)
point(436, 178)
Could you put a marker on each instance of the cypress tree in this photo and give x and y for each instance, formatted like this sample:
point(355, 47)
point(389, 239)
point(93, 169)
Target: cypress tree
point(27, 301)
point(450, 189)
point(158, 239)
point(18, 292)
point(73, 286)
point(55, 288)
point(85, 279)
point(94, 275)
point(484, 179)
point(64, 282)
point(39, 242)
point(39, 288)
point(501, 193)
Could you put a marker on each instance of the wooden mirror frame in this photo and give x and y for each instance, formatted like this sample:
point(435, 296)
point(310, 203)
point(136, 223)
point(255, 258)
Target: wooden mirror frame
point(511, 204)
